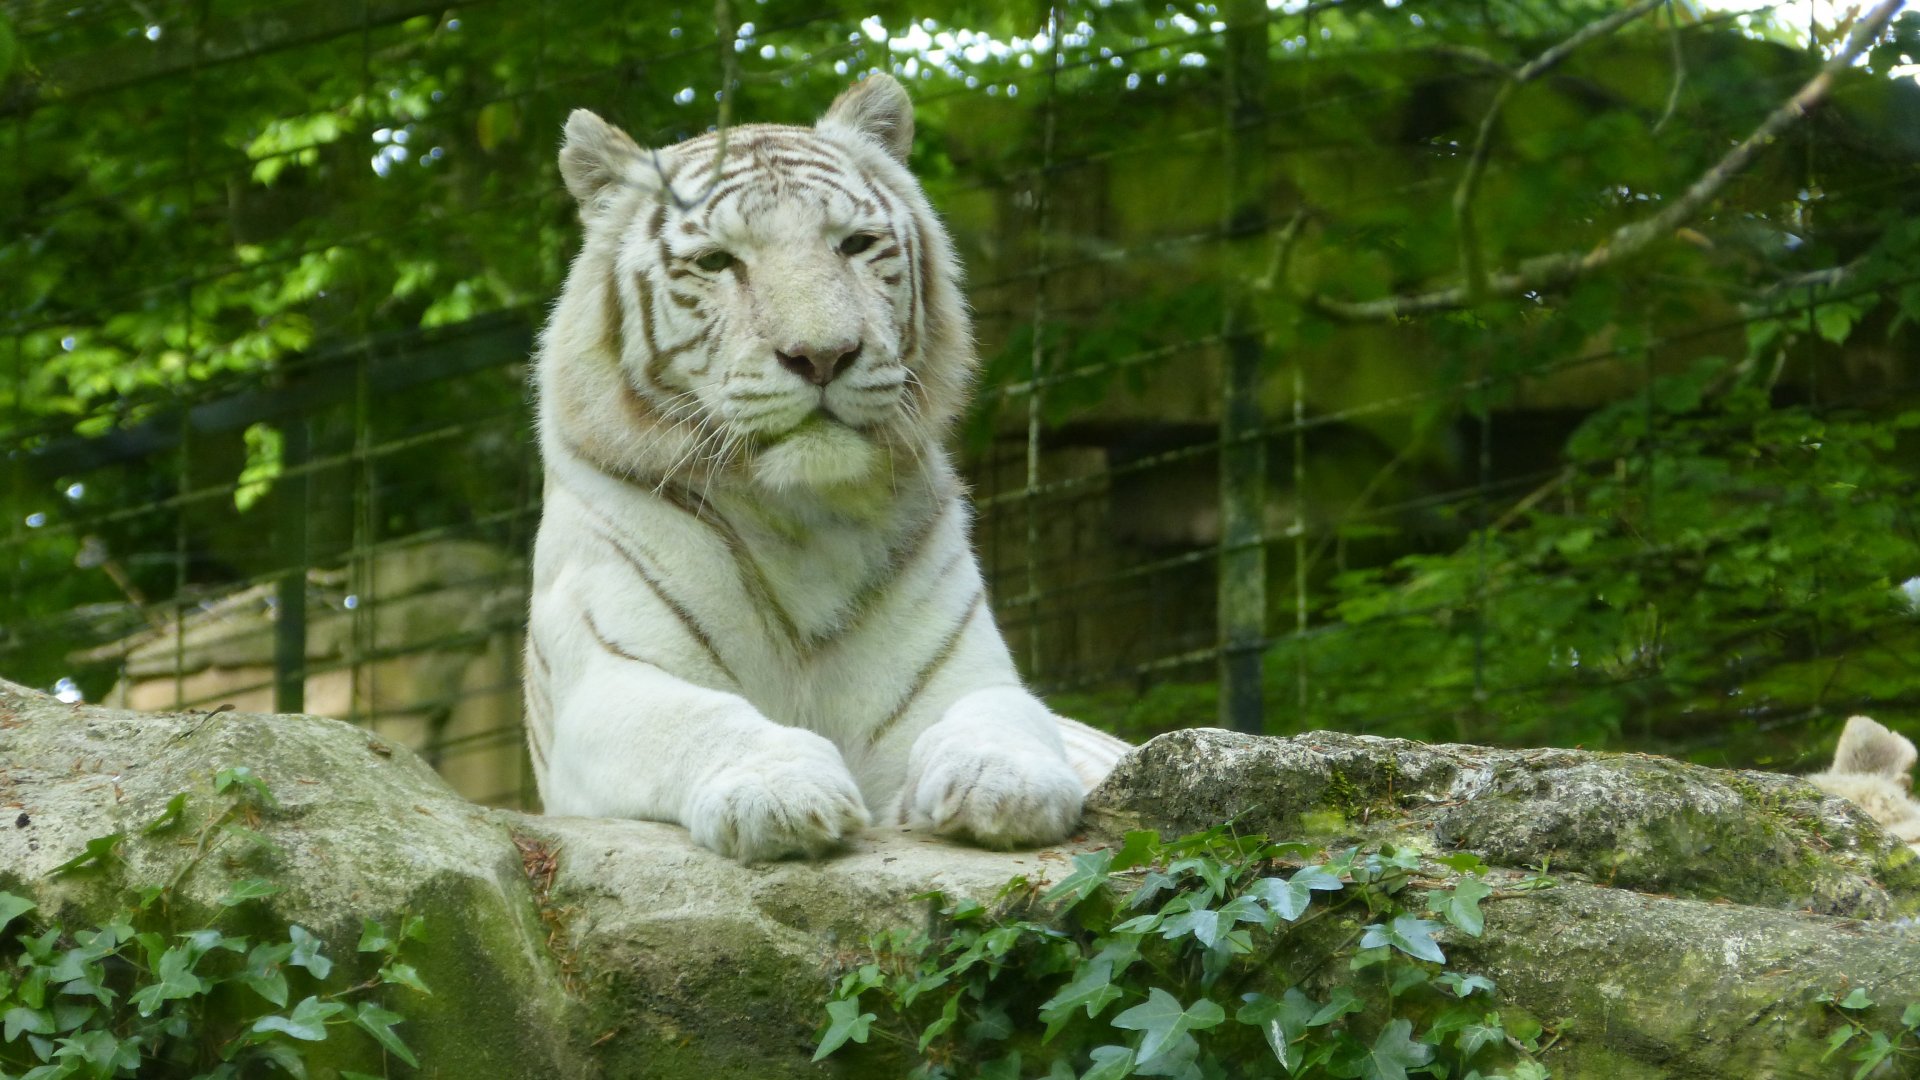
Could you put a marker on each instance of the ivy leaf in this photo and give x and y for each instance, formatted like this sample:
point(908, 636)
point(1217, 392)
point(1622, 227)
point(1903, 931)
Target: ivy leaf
point(1110, 1063)
point(1139, 848)
point(1463, 985)
point(20, 1018)
point(1408, 933)
point(267, 980)
point(1092, 989)
point(169, 816)
point(12, 907)
point(1341, 1002)
point(991, 1024)
point(1871, 1055)
point(1090, 871)
point(250, 889)
point(1161, 1019)
point(378, 1022)
point(1393, 1053)
point(1151, 885)
point(1005, 1068)
point(404, 975)
point(1463, 862)
point(308, 952)
point(948, 1014)
point(1246, 909)
point(1281, 1022)
point(307, 1022)
point(845, 1022)
point(1910, 1018)
point(102, 850)
point(287, 1056)
point(1487, 1032)
point(249, 785)
point(1289, 898)
point(1178, 1059)
point(1858, 999)
point(102, 1049)
point(1460, 905)
point(374, 937)
point(1203, 926)
point(174, 978)
point(1209, 870)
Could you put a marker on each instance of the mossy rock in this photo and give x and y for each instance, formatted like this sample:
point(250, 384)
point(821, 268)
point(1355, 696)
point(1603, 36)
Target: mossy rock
point(1632, 821)
point(589, 948)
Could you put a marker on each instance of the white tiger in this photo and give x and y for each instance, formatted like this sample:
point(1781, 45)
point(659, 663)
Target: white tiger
point(755, 610)
point(1873, 769)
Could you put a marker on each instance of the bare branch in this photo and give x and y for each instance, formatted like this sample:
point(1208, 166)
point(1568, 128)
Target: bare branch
point(1472, 263)
point(1546, 271)
point(1679, 70)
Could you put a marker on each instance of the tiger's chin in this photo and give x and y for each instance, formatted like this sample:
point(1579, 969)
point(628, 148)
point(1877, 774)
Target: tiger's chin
point(819, 453)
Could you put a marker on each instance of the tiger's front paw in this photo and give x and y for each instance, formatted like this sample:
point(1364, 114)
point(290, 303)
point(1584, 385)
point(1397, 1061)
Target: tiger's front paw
point(1000, 794)
point(791, 797)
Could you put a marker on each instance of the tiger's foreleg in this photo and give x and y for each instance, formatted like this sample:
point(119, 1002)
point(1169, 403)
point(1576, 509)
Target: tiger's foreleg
point(633, 740)
point(993, 770)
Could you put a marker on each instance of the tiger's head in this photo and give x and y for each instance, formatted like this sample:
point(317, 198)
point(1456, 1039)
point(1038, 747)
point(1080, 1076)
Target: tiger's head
point(772, 303)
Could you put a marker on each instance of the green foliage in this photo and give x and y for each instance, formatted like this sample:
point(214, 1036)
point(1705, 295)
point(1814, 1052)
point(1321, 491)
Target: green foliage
point(136, 996)
point(1877, 1050)
point(1707, 562)
point(1215, 955)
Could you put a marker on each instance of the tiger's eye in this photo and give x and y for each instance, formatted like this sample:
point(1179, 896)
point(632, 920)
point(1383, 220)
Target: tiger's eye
point(714, 261)
point(857, 243)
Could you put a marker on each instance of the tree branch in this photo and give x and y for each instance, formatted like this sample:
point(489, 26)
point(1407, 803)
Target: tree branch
point(1546, 271)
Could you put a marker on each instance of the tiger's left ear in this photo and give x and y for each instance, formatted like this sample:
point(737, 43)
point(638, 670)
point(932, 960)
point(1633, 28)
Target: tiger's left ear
point(878, 108)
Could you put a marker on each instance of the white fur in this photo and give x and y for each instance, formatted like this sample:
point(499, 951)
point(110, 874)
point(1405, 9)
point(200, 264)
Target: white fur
point(1872, 769)
point(755, 611)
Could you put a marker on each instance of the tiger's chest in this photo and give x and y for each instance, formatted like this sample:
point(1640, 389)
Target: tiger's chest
point(815, 573)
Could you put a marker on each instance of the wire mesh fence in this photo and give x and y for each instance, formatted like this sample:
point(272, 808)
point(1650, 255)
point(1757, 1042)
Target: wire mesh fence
point(276, 271)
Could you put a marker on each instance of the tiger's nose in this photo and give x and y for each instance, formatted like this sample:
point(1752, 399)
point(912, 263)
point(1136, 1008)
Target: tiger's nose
point(818, 364)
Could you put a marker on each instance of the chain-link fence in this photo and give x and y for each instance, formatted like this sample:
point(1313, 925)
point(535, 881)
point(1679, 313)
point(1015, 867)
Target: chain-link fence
point(275, 271)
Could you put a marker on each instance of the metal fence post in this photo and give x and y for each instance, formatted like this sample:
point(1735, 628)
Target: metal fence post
point(1243, 455)
point(290, 608)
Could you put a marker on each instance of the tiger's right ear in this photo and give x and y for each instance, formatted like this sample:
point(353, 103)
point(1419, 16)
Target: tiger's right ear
point(594, 156)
